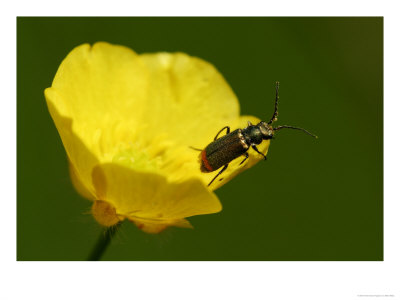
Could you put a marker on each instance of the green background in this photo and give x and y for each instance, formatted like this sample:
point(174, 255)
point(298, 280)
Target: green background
point(312, 200)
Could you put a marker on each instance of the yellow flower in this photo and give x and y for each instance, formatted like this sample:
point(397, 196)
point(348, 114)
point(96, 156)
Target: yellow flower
point(127, 122)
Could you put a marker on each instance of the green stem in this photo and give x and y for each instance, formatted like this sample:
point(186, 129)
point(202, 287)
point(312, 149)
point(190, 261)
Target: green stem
point(103, 242)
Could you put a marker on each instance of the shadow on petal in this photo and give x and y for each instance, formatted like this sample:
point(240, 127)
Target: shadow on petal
point(149, 198)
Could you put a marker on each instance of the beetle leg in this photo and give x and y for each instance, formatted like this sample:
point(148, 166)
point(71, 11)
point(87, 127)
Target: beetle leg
point(228, 129)
point(197, 149)
point(255, 148)
point(247, 156)
point(219, 173)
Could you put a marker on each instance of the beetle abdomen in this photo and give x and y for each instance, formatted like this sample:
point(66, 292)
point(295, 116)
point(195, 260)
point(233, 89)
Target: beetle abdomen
point(222, 151)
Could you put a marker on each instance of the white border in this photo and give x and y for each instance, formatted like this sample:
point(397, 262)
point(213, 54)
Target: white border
point(199, 280)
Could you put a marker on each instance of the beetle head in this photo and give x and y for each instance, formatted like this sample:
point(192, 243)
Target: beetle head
point(267, 130)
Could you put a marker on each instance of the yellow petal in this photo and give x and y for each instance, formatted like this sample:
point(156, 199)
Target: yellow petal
point(188, 98)
point(150, 196)
point(78, 185)
point(81, 159)
point(94, 98)
point(155, 226)
point(195, 94)
point(128, 123)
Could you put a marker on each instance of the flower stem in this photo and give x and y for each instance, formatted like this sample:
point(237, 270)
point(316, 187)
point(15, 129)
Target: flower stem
point(103, 242)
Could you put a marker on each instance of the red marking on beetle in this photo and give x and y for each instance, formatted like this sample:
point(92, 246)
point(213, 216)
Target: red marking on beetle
point(205, 162)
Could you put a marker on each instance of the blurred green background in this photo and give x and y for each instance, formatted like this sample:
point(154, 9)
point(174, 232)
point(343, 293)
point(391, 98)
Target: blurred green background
point(312, 200)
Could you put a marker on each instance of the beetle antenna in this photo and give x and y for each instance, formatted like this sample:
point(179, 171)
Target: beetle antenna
point(292, 127)
point(275, 115)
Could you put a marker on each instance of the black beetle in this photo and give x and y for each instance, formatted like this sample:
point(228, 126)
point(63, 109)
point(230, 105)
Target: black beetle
point(223, 150)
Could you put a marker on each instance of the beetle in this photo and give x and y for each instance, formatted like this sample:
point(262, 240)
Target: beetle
point(220, 152)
